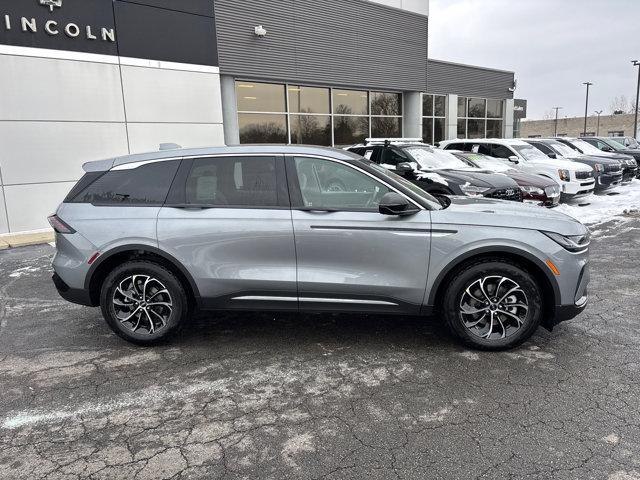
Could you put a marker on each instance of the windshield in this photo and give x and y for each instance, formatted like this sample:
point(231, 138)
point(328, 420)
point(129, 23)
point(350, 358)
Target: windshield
point(630, 142)
point(431, 201)
point(488, 163)
point(529, 152)
point(563, 150)
point(431, 159)
point(586, 147)
point(615, 145)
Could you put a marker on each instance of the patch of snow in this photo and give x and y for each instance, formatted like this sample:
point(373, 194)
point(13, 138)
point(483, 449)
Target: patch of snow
point(23, 271)
point(296, 445)
point(612, 439)
point(603, 208)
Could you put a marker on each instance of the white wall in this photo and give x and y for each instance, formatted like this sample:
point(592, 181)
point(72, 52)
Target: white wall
point(61, 109)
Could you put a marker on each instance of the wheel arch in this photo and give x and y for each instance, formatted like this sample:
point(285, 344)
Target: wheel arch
point(537, 268)
point(107, 261)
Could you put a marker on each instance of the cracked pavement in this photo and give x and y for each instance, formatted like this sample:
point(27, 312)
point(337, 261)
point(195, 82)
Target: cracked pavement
point(263, 395)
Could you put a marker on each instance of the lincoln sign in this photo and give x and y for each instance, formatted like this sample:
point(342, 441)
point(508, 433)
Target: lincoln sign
point(53, 28)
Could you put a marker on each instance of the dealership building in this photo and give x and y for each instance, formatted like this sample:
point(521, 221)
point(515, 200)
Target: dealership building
point(89, 79)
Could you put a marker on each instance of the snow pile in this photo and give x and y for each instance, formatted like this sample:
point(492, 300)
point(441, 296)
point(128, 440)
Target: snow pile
point(602, 208)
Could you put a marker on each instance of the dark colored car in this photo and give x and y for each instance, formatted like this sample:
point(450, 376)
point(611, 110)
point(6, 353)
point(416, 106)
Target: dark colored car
point(608, 145)
point(607, 172)
point(629, 165)
point(438, 172)
point(535, 188)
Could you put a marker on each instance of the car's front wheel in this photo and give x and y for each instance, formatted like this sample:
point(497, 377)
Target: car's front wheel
point(143, 302)
point(493, 304)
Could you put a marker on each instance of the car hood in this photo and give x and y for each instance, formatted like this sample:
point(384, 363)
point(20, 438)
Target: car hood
point(613, 156)
point(502, 213)
point(481, 178)
point(530, 179)
point(593, 159)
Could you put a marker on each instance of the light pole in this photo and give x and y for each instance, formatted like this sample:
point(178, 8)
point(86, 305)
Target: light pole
point(636, 63)
point(555, 128)
point(598, 112)
point(586, 108)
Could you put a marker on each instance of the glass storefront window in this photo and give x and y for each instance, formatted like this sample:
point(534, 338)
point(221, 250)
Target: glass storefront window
point(475, 128)
point(349, 130)
point(494, 128)
point(494, 108)
point(311, 129)
point(386, 103)
point(434, 109)
point(462, 107)
point(439, 105)
point(308, 99)
point(260, 97)
point(262, 128)
point(350, 102)
point(427, 130)
point(386, 127)
point(462, 128)
point(477, 108)
point(427, 105)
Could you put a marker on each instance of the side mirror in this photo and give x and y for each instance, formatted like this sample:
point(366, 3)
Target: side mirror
point(393, 203)
point(513, 159)
point(552, 155)
point(606, 148)
point(403, 168)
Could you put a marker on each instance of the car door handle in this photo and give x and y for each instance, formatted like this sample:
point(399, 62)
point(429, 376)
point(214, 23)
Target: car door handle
point(318, 210)
point(188, 206)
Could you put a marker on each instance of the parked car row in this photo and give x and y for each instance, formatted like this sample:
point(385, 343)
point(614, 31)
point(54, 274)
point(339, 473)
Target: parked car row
point(544, 171)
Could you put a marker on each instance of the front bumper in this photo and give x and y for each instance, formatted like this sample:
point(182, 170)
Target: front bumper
point(73, 295)
point(542, 200)
point(605, 181)
point(629, 173)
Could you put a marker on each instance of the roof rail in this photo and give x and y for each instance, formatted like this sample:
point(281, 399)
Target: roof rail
point(390, 140)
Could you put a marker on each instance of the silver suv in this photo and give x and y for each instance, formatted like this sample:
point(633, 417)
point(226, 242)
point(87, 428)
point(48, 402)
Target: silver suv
point(150, 238)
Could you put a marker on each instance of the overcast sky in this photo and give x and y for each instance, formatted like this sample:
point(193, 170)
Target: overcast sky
point(551, 45)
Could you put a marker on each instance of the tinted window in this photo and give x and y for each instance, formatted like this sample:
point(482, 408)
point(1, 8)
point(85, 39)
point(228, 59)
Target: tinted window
point(308, 99)
point(327, 184)
point(234, 181)
point(391, 156)
point(349, 130)
point(262, 128)
point(260, 97)
point(500, 151)
point(386, 126)
point(311, 129)
point(350, 102)
point(542, 147)
point(145, 185)
point(383, 103)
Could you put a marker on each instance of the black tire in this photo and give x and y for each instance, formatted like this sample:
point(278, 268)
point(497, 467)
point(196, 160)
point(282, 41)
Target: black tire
point(492, 268)
point(174, 316)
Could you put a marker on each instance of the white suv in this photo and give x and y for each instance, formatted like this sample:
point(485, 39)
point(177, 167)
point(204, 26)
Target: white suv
point(575, 178)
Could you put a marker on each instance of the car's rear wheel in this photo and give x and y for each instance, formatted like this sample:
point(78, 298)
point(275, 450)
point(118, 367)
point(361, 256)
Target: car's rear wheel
point(493, 304)
point(143, 302)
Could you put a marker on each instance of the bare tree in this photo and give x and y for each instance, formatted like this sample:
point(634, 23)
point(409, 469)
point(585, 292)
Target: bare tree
point(549, 114)
point(619, 104)
point(632, 105)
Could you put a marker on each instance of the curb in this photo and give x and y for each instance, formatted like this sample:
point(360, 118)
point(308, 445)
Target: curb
point(12, 240)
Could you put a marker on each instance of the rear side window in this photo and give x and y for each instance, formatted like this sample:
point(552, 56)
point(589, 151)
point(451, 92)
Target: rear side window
point(500, 151)
point(233, 181)
point(146, 185)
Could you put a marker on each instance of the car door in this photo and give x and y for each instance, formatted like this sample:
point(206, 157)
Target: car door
point(227, 219)
point(349, 256)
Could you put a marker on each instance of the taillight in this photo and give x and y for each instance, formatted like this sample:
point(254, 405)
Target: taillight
point(58, 225)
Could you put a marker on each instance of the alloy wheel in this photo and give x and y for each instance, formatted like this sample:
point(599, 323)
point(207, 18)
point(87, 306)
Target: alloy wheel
point(142, 304)
point(494, 307)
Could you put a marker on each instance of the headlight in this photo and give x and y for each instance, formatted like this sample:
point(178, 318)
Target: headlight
point(531, 189)
point(473, 190)
point(598, 167)
point(564, 175)
point(573, 243)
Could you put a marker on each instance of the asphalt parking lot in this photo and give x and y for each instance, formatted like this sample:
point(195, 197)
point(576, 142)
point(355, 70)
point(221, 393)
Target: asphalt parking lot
point(289, 396)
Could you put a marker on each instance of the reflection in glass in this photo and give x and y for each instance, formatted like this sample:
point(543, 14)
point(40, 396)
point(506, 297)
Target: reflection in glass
point(477, 107)
point(462, 107)
point(475, 129)
point(427, 105)
point(383, 103)
point(462, 128)
point(439, 106)
point(262, 128)
point(427, 130)
point(311, 129)
point(260, 97)
point(350, 102)
point(494, 108)
point(386, 127)
point(438, 130)
point(349, 130)
point(494, 128)
point(308, 99)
